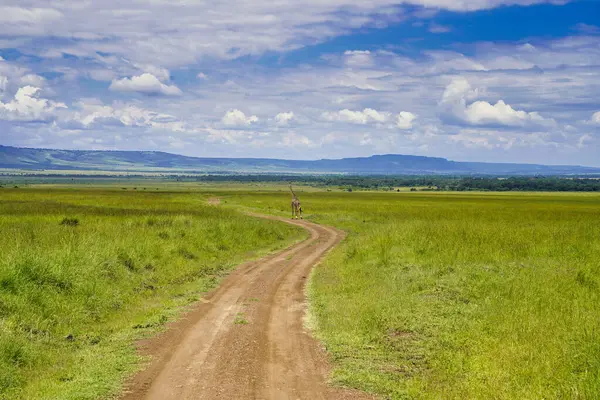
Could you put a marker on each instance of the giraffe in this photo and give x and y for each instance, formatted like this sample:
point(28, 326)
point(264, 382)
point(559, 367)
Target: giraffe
point(296, 207)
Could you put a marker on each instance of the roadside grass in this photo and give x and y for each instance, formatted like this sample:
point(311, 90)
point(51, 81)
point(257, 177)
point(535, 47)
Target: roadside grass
point(457, 296)
point(86, 273)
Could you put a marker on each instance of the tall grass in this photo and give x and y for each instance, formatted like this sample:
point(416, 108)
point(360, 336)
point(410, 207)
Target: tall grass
point(459, 296)
point(84, 273)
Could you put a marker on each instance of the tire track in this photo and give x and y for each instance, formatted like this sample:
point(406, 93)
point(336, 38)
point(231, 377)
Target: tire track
point(246, 339)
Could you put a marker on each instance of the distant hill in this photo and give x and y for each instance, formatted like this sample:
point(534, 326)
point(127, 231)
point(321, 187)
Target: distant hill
point(144, 161)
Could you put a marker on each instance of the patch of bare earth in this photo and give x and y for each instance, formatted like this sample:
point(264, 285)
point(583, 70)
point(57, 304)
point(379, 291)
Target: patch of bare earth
point(214, 201)
point(246, 339)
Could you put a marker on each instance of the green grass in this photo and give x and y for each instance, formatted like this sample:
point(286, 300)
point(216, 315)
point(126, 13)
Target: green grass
point(457, 296)
point(240, 319)
point(431, 295)
point(85, 273)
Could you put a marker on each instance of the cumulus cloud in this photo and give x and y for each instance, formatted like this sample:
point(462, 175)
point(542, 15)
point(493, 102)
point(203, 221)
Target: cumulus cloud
point(483, 113)
point(404, 120)
point(16, 75)
point(596, 118)
point(202, 75)
point(459, 92)
point(368, 115)
point(238, 118)
point(27, 106)
point(146, 84)
point(284, 118)
point(162, 74)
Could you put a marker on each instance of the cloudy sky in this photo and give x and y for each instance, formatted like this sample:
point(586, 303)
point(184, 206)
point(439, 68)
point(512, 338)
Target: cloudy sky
point(472, 80)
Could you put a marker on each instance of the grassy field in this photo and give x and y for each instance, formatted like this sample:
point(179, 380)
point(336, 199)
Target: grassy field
point(431, 296)
point(457, 296)
point(85, 272)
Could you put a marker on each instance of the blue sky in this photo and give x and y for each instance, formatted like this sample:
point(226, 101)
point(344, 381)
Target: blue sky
point(473, 80)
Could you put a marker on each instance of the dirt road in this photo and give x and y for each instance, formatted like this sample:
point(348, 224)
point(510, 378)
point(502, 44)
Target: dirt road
point(246, 339)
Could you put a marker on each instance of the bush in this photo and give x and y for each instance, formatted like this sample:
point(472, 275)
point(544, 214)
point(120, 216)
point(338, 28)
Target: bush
point(70, 221)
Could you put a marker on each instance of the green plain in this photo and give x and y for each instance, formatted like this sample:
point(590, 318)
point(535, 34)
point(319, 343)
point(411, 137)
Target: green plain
point(84, 273)
point(458, 296)
point(430, 296)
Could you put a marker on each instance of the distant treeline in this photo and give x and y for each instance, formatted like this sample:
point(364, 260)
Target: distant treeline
point(541, 184)
point(442, 183)
point(345, 182)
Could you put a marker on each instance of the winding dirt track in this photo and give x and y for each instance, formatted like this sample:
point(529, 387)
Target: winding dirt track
point(246, 339)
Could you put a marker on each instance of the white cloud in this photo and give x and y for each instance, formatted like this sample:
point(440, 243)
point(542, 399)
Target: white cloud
point(28, 106)
point(284, 118)
point(596, 118)
point(173, 33)
point(358, 58)
point(368, 115)
point(238, 118)
point(404, 120)
point(584, 140)
point(244, 137)
point(32, 80)
point(12, 71)
point(202, 75)
point(146, 84)
point(473, 138)
point(459, 91)
point(586, 28)
point(104, 75)
point(162, 74)
point(28, 15)
point(436, 28)
point(293, 139)
point(19, 16)
point(95, 114)
point(3, 85)
point(366, 140)
point(483, 113)
point(558, 79)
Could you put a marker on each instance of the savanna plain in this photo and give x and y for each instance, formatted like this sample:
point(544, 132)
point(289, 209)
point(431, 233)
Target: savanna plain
point(431, 295)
